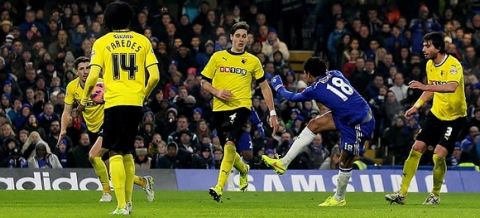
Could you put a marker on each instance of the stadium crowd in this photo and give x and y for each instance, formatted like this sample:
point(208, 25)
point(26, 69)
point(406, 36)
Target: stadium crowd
point(376, 44)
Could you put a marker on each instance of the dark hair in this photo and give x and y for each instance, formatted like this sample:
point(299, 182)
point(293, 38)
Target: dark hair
point(239, 25)
point(118, 15)
point(316, 66)
point(79, 60)
point(437, 40)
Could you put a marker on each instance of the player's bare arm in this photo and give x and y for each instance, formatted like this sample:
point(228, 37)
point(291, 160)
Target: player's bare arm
point(91, 80)
point(425, 97)
point(67, 111)
point(153, 78)
point(444, 88)
point(268, 96)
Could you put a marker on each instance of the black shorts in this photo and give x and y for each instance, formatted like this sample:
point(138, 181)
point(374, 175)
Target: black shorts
point(94, 135)
point(439, 132)
point(230, 124)
point(120, 127)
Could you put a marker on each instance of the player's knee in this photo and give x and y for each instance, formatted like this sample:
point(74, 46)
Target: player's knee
point(321, 124)
point(441, 151)
point(419, 146)
point(315, 126)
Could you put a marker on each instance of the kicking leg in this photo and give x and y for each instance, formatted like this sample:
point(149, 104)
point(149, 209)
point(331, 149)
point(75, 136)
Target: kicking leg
point(320, 123)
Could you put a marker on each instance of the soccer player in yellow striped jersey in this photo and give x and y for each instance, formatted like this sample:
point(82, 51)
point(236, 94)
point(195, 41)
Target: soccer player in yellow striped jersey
point(125, 57)
point(228, 76)
point(445, 120)
point(93, 117)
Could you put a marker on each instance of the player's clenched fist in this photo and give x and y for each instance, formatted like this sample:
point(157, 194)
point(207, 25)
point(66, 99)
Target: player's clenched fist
point(276, 82)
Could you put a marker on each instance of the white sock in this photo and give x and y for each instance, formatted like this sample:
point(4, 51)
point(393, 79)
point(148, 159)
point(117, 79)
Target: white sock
point(342, 181)
point(303, 140)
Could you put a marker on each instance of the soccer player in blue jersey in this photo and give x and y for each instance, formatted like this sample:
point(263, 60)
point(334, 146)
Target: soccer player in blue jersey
point(349, 114)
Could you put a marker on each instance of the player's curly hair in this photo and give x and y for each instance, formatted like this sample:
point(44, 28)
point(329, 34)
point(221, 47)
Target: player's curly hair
point(239, 25)
point(118, 15)
point(316, 66)
point(437, 40)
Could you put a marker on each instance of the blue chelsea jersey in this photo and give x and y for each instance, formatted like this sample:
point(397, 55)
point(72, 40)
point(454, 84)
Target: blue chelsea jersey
point(336, 93)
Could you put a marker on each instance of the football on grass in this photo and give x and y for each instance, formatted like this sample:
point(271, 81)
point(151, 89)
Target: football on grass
point(97, 93)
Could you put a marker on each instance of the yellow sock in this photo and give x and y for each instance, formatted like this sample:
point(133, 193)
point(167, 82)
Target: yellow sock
point(439, 170)
point(140, 181)
point(239, 164)
point(101, 171)
point(117, 172)
point(129, 165)
point(409, 170)
point(227, 164)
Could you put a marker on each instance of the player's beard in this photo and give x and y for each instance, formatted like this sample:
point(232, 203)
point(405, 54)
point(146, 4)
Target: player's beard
point(431, 56)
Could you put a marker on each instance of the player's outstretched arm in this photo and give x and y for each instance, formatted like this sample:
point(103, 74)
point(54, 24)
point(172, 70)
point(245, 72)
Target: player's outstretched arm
point(425, 97)
point(91, 80)
point(153, 78)
point(277, 84)
point(444, 88)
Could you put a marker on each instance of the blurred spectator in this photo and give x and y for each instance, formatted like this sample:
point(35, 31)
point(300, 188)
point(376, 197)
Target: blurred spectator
point(42, 158)
point(175, 158)
point(468, 144)
point(334, 39)
point(420, 26)
point(33, 125)
point(273, 44)
point(217, 156)
point(332, 162)
point(396, 138)
point(186, 142)
point(182, 126)
point(395, 41)
point(204, 160)
point(6, 132)
point(391, 107)
point(60, 46)
point(10, 155)
point(62, 153)
point(79, 154)
point(142, 161)
point(317, 152)
point(399, 88)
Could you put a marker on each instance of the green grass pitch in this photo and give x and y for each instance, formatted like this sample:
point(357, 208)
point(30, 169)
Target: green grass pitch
point(235, 204)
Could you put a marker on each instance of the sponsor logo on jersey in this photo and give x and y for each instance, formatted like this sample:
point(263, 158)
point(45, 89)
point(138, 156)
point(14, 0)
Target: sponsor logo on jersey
point(233, 70)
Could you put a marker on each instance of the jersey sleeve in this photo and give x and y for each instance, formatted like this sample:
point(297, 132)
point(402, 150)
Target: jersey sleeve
point(309, 92)
point(305, 95)
point(69, 94)
point(258, 72)
point(150, 59)
point(455, 73)
point(209, 70)
point(428, 67)
point(97, 57)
